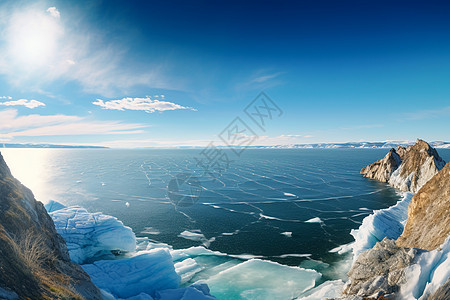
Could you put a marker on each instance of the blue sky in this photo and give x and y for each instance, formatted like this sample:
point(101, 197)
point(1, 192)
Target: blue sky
point(176, 73)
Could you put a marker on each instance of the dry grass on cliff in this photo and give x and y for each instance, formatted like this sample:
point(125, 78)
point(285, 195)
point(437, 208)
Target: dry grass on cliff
point(30, 248)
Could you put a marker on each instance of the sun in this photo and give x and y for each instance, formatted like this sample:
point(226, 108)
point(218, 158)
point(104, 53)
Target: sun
point(32, 37)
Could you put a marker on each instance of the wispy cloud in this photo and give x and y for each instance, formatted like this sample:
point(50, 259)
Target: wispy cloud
point(12, 125)
point(427, 114)
point(145, 104)
point(264, 78)
point(23, 102)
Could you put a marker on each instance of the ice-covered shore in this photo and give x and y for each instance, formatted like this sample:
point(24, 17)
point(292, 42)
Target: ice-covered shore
point(148, 270)
point(126, 267)
point(429, 270)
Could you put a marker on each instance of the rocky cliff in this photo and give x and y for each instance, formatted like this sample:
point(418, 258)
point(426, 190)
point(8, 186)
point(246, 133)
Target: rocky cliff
point(406, 169)
point(428, 222)
point(382, 169)
point(34, 262)
point(404, 268)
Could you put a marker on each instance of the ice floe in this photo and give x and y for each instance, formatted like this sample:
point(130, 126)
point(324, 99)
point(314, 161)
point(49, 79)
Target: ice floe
point(143, 273)
point(197, 236)
point(90, 235)
point(259, 279)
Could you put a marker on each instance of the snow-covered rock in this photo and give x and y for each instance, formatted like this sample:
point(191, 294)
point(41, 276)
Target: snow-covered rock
point(90, 235)
point(406, 169)
point(431, 271)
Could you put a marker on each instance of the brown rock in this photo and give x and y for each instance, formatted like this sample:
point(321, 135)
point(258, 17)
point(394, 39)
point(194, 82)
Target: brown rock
point(428, 222)
point(401, 151)
point(382, 169)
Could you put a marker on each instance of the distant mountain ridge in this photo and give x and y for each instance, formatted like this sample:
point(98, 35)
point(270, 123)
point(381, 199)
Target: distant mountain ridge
point(9, 145)
point(361, 145)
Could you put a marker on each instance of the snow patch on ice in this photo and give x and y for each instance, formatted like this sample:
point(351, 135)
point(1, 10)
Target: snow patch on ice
point(290, 195)
point(314, 220)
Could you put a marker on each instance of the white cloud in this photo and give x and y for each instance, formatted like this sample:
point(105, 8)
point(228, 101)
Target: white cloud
point(12, 125)
point(145, 104)
point(24, 102)
point(54, 12)
point(6, 97)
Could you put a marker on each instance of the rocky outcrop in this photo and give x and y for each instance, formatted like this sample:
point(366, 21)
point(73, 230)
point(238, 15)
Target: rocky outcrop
point(34, 262)
point(382, 169)
point(404, 268)
point(406, 169)
point(428, 223)
point(380, 270)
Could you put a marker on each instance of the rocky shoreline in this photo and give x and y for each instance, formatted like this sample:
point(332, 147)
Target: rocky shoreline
point(416, 265)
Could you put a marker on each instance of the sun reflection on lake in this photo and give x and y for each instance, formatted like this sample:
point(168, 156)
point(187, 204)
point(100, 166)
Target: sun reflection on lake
point(30, 167)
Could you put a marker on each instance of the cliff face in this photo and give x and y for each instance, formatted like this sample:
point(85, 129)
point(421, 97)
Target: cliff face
point(382, 169)
point(428, 222)
point(406, 169)
point(34, 261)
